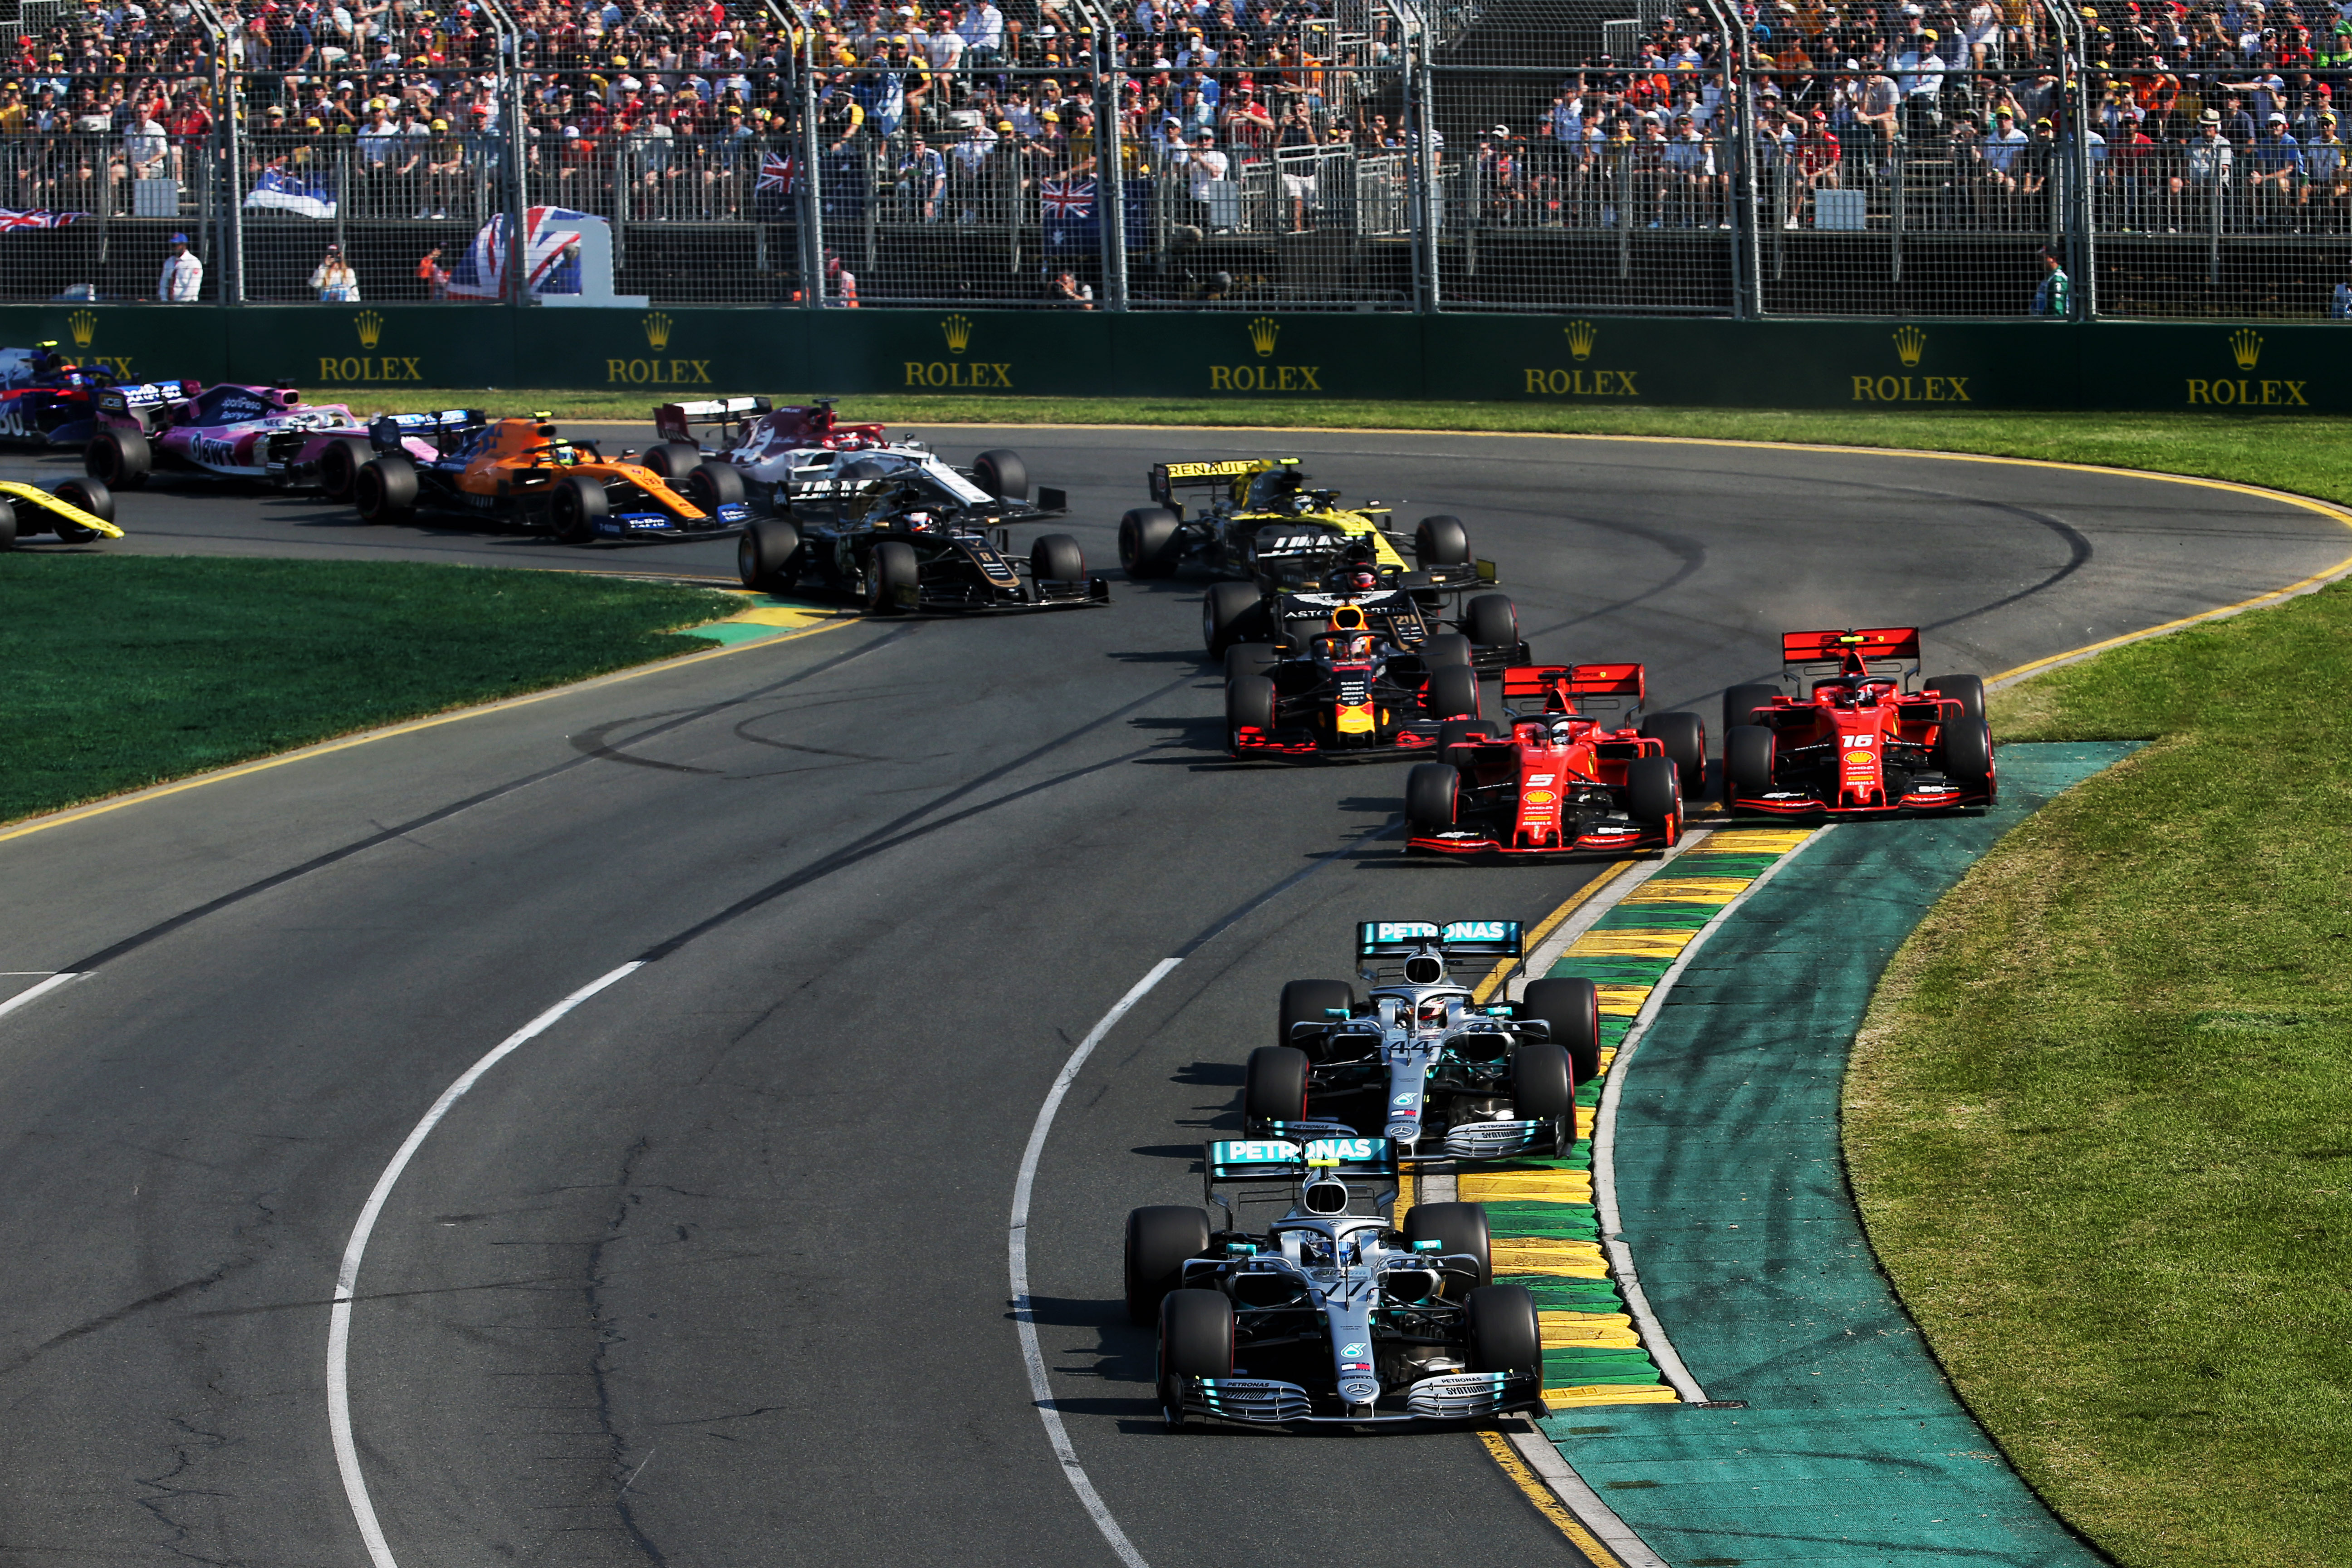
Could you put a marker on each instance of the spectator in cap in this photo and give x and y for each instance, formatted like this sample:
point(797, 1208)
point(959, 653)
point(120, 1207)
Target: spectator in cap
point(2325, 174)
point(334, 282)
point(2274, 167)
point(2198, 189)
point(183, 281)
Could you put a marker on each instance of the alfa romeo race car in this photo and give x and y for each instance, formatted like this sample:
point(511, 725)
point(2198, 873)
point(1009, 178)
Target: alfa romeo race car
point(76, 511)
point(905, 539)
point(1858, 743)
point(799, 461)
point(1579, 768)
point(225, 432)
point(521, 472)
point(1419, 1059)
point(1331, 1314)
point(46, 401)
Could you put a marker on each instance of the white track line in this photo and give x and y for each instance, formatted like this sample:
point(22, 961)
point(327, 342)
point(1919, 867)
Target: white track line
point(1024, 1320)
point(339, 1328)
point(45, 987)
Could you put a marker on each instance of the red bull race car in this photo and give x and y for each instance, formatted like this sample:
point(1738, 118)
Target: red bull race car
point(1579, 768)
point(1858, 742)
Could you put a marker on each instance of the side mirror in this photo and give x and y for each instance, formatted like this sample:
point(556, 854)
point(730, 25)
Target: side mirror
point(1335, 1013)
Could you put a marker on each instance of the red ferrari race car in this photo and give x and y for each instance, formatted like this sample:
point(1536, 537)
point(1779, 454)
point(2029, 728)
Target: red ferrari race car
point(1579, 769)
point(1858, 743)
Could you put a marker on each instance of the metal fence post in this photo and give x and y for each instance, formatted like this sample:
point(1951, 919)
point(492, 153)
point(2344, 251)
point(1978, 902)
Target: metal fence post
point(1740, 201)
point(1110, 183)
point(813, 272)
point(222, 147)
point(514, 122)
point(1426, 172)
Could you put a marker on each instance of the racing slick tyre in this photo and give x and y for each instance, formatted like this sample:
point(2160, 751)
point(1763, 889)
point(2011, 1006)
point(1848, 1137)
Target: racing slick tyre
point(93, 497)
point(1543, 1089)
point(576, 506)
point(1309, 1002)
point(1453, 692)
point(1965, 749)
point(767, 555)
point(1196, 1339)
point(891, 578)
point(1453, 731)
point(672, 460)
point(1147, 542)
point(1966, 690)
point(1055, 558)
point(1002, 474)
point(1274, 1089)
point(1686, 738)
point(1457, 1228)
point(1428, 796)
point(1231, 613)
point(1747, 760)
point(1740, 704)
point(8, 526)
point(1492, 620)
point(1653, 793)
point(1506, 1336)
point(1571, 1009)
point(384, 490)
point(1441, 542)
point(1251, 659)
point(1158, 1240)
point(339, 470)
point(711, 484)
point(1446, 649)
point(1249, 704)
point(118, 459)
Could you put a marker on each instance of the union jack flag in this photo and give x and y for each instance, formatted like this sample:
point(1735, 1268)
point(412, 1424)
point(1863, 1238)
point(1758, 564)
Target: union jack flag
point(1067, 199)
point(777, 173)
point(13, 218)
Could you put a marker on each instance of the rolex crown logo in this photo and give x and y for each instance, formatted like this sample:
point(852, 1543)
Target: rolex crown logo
point(371, 328)
point(958, 331)
point(85, 327)
point(657, 326)
point(1910, 343)
point(1263, 331)
point(2247, 344)
point(1580, 338)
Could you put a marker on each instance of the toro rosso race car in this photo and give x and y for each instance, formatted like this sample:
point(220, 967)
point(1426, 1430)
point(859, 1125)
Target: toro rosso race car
point(1578, 768)
point(799, 461)
point(46, 401)
point(1419, 1059)
point(76, 511)
point(523, 473)
point(1857, 743)
point(1331, 1314)
point(906, 541)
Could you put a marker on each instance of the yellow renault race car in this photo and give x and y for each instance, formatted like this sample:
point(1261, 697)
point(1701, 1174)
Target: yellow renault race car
point(76, 511)
point(1263, 518)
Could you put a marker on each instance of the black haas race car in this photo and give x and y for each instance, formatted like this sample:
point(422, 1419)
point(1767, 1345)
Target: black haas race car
point(47, 401)
point(905, 539)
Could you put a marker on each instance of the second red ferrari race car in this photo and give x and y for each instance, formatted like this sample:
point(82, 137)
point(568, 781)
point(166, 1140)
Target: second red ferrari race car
point(1857, 743)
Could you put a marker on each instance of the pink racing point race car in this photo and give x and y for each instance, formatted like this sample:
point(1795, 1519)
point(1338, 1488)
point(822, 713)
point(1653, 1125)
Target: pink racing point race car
point(1858, 743)
point(264, 433)
point(1576, 768)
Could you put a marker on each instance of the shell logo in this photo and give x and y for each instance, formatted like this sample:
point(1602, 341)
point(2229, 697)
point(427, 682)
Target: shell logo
point(1860, 759)
point(1540, 797)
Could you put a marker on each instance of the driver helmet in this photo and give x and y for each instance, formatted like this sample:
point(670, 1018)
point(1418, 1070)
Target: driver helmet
point(920, 521)
point(1563, 730)
point(1431, 1015)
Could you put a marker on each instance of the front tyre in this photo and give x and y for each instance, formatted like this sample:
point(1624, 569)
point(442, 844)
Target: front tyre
point(1747, 760)
point(1441, 542)
point(1159, 1241)
point(1311, 1001)
point(1452, 692)
point(768, 555)
point(1740, 704)
point(673, 460)
point(1431, 792)
point(1684, 736)
point(1456, 1229)
point(1506, 1336)
point(1002, 474)
point(1543, 1089)
point(93, 497)
point(1196, 1339)
point(1654, 795)
point(1966, 690)
point(892, 579)
point(576, 506)
point(1249, 705)
point(1274, 1089)
point(710, 485)
point(1230, 613)
point(1492, 621)
point(1055, 558)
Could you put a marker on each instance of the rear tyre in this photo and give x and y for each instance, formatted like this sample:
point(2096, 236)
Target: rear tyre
point(1441, 542)
point(710, 485)
point(8, 526)
point(576, 506)
point(1274, 1088)
point(1571, 1009)
point(1493, 621)
point(118, 459)
point(1966, 751)
point(1506, 1336)
point(673, 460)
point(1446, 649)
point(1653, 795)
point(1747, 760)
point(1684, 735)
point(1002, 474)
point(1308, 1002)
point(1430, 792)
point(1453, 692)
point(1249, 704)
point(1543, 1089)
point(385, 491)
point(1251, 659)
point(1196, 1339)
point(1740, 704)
point(1459, 1227)
point(1158, 1240)
point(1055, 558)
point(1230, 613)
point(339, 468)
point(767, 555)
point(891, 578)
point(1966, 690)
point(1147, 542)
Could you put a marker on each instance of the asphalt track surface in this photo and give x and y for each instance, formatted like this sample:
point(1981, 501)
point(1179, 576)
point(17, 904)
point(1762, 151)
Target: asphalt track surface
point(713, 1271)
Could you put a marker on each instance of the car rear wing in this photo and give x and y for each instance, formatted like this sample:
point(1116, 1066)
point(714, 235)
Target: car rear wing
point(1455, 939)
point(676, 421)
point(1232, 1162)
point(1596, 691)
point(148, 394)
point(1232, 475)
point(1824, 656)
point(386, 432)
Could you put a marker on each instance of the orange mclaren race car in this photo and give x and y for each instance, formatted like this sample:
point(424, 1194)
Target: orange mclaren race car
point(1858, 743)
point(521, 472)
point(1579, 769)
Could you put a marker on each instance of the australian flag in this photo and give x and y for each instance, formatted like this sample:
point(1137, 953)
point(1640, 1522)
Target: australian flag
point(481, 272)
point(287, 192)
point(13, 220)
point(1067, 206)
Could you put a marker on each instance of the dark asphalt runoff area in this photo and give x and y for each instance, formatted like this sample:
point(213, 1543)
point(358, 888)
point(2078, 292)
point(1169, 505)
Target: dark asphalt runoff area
point(713, 1272)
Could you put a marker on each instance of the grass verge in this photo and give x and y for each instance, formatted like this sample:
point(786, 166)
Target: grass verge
point(2097, 1120)
point(2309, 455)
point(124, 671)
